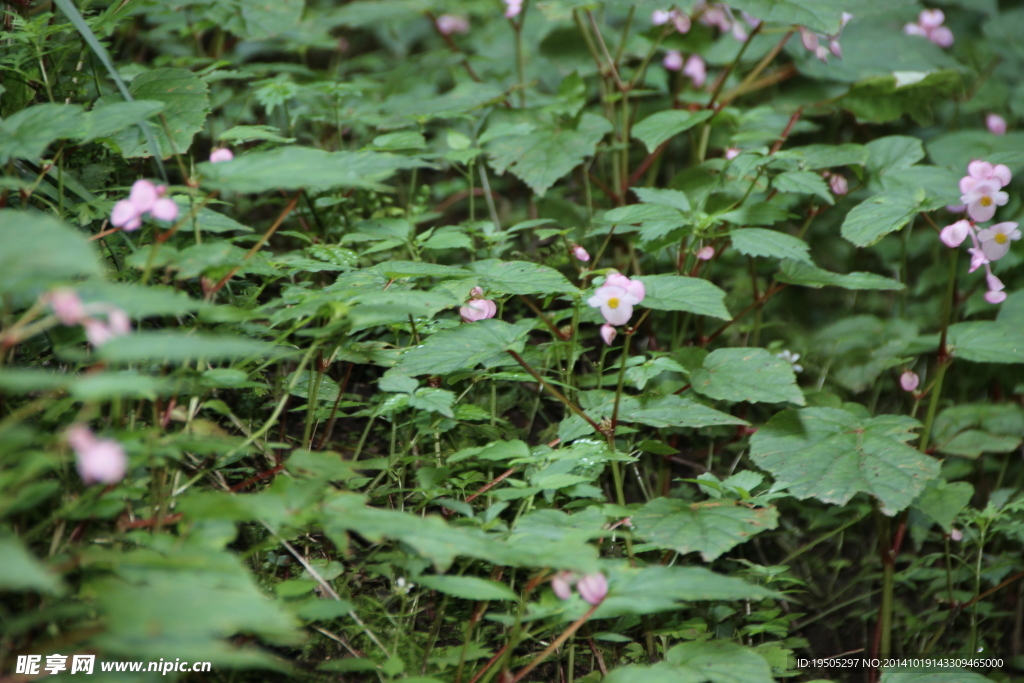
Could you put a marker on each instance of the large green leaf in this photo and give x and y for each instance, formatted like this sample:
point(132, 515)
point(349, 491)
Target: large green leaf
point(664, 125)
point(748, 374)
point(876, 217)
point(115, 117)
point(715, 661)
point(821, 16)
point(27, 134)
point(680, 293)
point(710, 528)
point(468, 587)
point(831, 454)
point(770, 243)
point(521, 277)
point(987, 342)
point(178, 347)
point(803, 182)
point(809, 275)
point(20, 571)
point(545, 155)
point(294, 168)
point(463, 347)
point(887, 98)
point(943, 501)
point(37, 250)
point(814, 157)
point(267, 18)
point(186, 104)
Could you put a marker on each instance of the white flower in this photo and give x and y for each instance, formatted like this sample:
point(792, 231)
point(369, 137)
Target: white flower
point(995, 240)
point(983, 198)
point(792, 359)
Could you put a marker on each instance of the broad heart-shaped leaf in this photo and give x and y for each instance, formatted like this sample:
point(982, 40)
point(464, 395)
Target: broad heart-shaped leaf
point(893, 153)
point(180, 347)
point(749, 374)
point(956, 149)
point(27, 134)
point(680, 293)
point(874, 218)
point(887, 98)
point(294, 168)
point(664, 125)
point(26, 265)
point(545, 155)
point(770, 243)
point(710, 528)
point(987, 342)
point(830, 454)
point(943, 501)
point(658, 411)
point(115, 117)
point(463, 347)
point(708, 661)
point(803, 182)
point(821, 16)
point(521, 277)
point(809, 275)
point(186, 104)
point(814, 157)
point(467, 587)
point(20, 571)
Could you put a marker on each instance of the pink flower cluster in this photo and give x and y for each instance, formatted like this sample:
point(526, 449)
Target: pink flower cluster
point(97, 460)
point(929, 25)
point(477, 308)
point(812, 41)
point(70, 310)
point(693, 67)
point(616, 298)
point(448, 24)
point(837, 182)
point(513, 8)
point(720, 16)
point(144, 198)
point(592, 588)
point(680, 21)
point(982, 193)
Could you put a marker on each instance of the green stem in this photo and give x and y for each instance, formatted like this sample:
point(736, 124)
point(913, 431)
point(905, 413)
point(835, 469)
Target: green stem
point(944, 360)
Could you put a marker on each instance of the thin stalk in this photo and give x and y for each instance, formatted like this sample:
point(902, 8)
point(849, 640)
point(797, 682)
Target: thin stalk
point(944, 359)
point(554, 645)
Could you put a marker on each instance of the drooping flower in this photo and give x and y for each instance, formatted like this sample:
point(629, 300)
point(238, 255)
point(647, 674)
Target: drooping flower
point(995, 293)
point(98, 460)
point(953, 235)
point(145, 197)
point(983, 198)
point(983, 170)
point(660, 17)
point(477, 308)
point(561, 584)
point(732, 153)
point(792, 359)
point(996, 124)
point(956, 535)
point(616, 298)
point(608, 333)
point(593, 588)
point(706, 253)
point(66, 306)
point(909, 380)
point(580, 253)
point(929, 25)
point(673, 60)
point(125, 216)
point(978, 259)
point(513, 8)
point(995, 240)
point(164, 209)
point(838, 184)
point(222, 154)
point(696, 70)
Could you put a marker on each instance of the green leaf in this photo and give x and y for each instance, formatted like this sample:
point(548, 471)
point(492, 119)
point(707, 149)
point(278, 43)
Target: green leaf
point(27, 134)
point(178, 347)
point(809, 275)
point(874, 218)
point(770, 243)
point(893, 153)
point(680, 293)
point(760, 213)
point(821, 16)
point(265, 19)
point(956, 149)
point(294, 168)
point(433, 400)
point(932, 676)
point(943, 501)
point(815, 157)
point(463, 347)
point(26, 265)
point(747, 374)
point(716, 661)
point(972, 443)
point(186, 104)
point(468, 587)
point(370, 12)
point(987, 342)
point(384, 307)
point(710, 528)
point(803, 182)
point(240, 134)
point(653, 410)
point(663, 197)
point(20, 571)
point(550, 152)
point(831, 454)
point(521, 277)
point(104, 121)
point(136, 300)
point(887, 98)
point(664, 125)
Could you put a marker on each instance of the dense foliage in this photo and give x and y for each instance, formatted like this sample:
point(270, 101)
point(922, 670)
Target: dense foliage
point(543, 340)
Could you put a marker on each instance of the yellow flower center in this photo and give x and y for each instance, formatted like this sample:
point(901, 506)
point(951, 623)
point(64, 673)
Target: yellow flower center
point(986, 201)
point(613, 302)
point(1000, 238)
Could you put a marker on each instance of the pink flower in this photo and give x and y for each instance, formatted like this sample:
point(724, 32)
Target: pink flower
point(660, 17)
point(561, 584)
point(66, 306)
point(977, 259)
point(995, 240)
point(222, 154)
point(996, 124)
point(580, 253)
point(514, 7)
point(716, 15)
point(995, 293)
point(696, 70)
point(681, 22)
point(593, 588)
point(478, 309)
point(809, 39)
point(143, 195)
point(616, 298)
point(838, 184)
point(673, 60)
point(909, 380)
point(125, 216)
point(954, 235)
point(956, 208)
point(99, 332)
point(608, 333)
point(732, 153)
point(956, 535)
point(448, 24)
point(982, 170)
point(706, 254)
point(98, 460)
point(929, 25)
point(164, 209)
point(983, 198)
